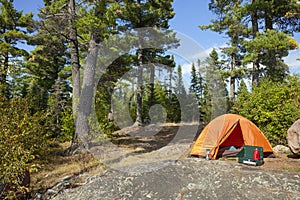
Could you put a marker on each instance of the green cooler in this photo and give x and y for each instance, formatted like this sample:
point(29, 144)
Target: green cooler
point(245, 156)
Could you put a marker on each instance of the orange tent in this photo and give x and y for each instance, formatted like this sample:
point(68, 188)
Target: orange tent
point(226, 131)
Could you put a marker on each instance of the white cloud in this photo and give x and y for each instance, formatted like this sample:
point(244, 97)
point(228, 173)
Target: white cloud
point(186, 68)
point(292, 62)
point(188, 52)
point(193, 56)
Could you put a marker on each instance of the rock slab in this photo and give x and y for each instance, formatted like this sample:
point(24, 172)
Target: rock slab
point(189, 179)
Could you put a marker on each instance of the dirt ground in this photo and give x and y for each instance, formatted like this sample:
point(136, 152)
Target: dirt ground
point(137, 140)
point(284, 161)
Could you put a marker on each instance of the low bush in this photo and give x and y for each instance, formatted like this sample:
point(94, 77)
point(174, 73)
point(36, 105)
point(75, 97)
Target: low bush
point(272, 106)
point(22, 139)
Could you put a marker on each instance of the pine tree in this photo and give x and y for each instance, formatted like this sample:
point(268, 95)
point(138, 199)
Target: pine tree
point(194, 89)
point(59, 20)
point(194, 81)
point(180, 89)
point(216, 85)
point(161, 95)
point(203, 94)
point(244, 21)
point(229, 20)
point(74, 56)
point(271, 47)
point(243, 96)
point(58, 103)
point(105, 92)
point(99, 20)
point(180, 96)
point(44, 66)
point(15, 27)
point(274, 15)
point(137, 14)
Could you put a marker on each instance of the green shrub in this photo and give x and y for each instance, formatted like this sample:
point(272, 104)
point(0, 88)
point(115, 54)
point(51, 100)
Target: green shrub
point(21, 140)
point(67, 124)
point(272, 106)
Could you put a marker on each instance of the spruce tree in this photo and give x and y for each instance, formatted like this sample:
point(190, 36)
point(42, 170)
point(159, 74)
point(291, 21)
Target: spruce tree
point(180, 88)
point(216, 85)
point(194, 80)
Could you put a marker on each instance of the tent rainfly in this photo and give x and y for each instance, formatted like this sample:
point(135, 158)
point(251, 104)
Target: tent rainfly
point(229, 130)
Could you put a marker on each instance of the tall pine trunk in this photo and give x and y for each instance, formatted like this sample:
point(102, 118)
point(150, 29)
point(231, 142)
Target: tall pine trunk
point(268, 18)
point(170, 88)
point(75, 62)
point(254, 19)
point(4, 70)
point(152, 77)
point(233, 66)
point(139, 89)
point(232, 78)
point(273, 71)
point(87, 94)
point(88, 85)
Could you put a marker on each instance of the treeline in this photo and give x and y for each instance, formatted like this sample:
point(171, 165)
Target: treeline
point(56, 91)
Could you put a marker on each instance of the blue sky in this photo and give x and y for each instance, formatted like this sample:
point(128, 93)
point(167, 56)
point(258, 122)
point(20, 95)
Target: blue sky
point(189, 15)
